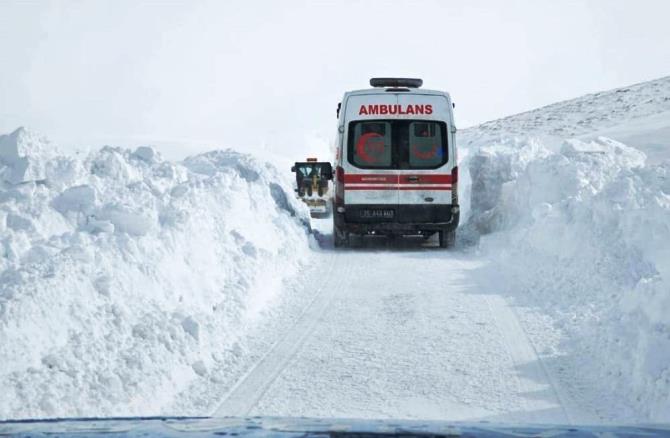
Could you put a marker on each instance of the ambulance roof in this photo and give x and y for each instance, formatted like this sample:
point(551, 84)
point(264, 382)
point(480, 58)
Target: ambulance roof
point(390, 90)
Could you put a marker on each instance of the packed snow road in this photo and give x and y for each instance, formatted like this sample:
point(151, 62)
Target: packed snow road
point(400, 330)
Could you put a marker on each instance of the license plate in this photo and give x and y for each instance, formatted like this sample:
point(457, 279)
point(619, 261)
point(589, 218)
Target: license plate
point(377, 213)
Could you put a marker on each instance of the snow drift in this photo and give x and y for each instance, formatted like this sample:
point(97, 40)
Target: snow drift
point(123, 276)
point(579, 226)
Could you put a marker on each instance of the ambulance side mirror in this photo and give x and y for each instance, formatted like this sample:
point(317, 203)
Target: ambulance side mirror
point(292, 168)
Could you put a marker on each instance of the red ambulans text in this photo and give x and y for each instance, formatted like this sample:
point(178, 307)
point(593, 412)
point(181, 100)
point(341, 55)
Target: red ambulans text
point(394, 109)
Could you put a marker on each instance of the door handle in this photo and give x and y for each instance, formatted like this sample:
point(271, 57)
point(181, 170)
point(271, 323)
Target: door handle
point(413, 178)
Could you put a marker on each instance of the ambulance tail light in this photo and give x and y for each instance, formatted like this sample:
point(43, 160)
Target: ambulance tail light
point(339, 173)
point(454, 189)
point(339, 188)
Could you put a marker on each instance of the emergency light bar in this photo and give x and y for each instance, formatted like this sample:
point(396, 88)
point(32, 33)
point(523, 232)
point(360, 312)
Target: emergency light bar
point(396, 82)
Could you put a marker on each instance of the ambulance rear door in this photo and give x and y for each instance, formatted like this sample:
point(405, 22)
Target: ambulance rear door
point(425, 172)
point(370, 174)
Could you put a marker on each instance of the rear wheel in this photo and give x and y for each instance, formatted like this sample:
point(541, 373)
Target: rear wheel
point(340, 237)
point(447, 238)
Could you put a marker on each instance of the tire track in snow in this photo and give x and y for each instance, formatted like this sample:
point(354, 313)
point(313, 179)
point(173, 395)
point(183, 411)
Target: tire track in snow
point(398, 343)
point(393, 342)
point(524, 354)
point(244, 395)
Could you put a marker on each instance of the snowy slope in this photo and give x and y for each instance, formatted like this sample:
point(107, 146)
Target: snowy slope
point(577, 227)
point(638, 115)
point(124, 277)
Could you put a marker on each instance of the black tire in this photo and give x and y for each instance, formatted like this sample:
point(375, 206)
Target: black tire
point(340, 238)
point(447, 238)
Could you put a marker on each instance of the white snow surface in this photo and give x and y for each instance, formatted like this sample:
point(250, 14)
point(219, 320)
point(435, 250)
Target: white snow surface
point(130, 285)
point(577, 226)
point(124, 277)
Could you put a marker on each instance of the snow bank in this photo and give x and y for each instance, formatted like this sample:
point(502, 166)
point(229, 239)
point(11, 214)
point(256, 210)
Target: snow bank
point(124, 276)
point(580, 229)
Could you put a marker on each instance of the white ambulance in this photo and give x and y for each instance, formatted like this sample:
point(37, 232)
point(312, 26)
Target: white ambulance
point(396, 169)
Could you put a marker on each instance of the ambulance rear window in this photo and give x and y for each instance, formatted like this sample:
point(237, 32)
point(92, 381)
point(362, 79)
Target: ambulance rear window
point(397, 144)
point(425, 145)
point(372, 145)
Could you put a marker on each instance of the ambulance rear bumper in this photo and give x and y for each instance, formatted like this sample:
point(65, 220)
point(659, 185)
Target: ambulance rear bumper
point(405, 221)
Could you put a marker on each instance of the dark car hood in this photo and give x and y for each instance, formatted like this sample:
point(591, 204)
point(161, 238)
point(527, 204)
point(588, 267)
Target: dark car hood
point(303, 427)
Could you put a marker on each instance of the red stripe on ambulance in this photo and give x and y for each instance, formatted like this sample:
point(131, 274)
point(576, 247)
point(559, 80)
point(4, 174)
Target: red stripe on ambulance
point(374, 187)
point(360, 178)
point(424, 188)
point(395, 187)
point(398, 182)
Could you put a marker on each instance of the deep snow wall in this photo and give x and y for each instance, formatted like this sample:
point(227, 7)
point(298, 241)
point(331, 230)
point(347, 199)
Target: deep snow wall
point(124, 276)
point(579, 228)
